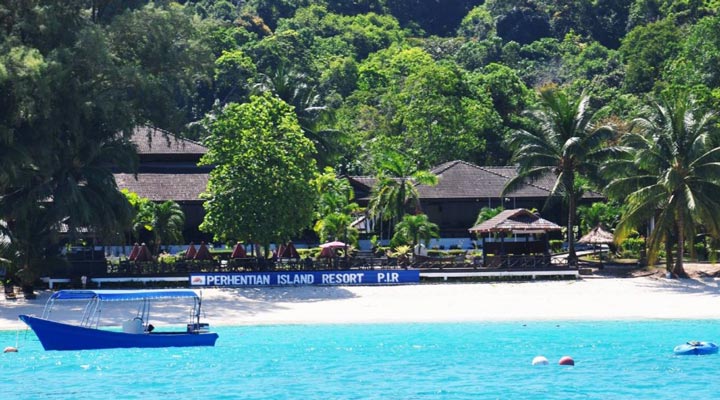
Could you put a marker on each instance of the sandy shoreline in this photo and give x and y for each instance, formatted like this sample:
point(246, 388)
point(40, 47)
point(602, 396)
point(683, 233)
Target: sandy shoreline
point(587, 299)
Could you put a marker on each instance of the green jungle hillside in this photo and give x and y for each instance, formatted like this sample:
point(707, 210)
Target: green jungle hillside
point(349, 85)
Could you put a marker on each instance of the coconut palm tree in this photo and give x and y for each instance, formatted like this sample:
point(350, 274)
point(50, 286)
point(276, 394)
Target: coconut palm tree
point(395, 191)
point(296, 89)
point(336, 226)
point(565, 142)
point(167, 223)
point(672, 175)
point(74, 188)
point(416, 229)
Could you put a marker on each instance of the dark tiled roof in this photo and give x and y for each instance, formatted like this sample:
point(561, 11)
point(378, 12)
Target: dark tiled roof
point(162, 187)
point(462, 180)
point(517, 220)
point(366, 181)
point(157, 141)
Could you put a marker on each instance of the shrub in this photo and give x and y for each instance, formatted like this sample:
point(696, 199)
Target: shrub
point(631, 247)
point(556, 246)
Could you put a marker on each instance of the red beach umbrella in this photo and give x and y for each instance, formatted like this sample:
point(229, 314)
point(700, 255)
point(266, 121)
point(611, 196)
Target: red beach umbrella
point(288, 251)
point(190, 252)
point(203, 253)
point(327, 252)
point(238, 251)
point(144, 254)
point(134, 252)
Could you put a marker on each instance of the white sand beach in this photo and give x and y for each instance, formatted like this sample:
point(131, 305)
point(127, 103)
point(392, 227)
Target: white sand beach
point(584, 299)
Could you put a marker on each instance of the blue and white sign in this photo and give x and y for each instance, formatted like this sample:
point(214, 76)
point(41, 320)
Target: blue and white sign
point(329, 278)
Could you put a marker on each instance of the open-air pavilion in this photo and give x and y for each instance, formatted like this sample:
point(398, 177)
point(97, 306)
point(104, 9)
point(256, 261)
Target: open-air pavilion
point(515, 239)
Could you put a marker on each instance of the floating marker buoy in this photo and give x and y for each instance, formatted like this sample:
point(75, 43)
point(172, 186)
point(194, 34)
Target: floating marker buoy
point(10, 349)
point(566, 361)
point(540, 360)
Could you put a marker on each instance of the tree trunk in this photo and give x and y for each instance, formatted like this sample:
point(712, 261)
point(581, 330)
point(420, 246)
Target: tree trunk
point(569, 184)
point(668, 252)
point(679, 270)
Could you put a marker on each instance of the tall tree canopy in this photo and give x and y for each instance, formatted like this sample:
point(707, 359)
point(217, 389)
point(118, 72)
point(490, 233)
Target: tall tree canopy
point(565, 142)
point(672, 176)
point(261, 187)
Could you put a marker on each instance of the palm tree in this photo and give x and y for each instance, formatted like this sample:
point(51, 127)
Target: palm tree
point(395, 190)
point(564, 142)
point(167, 223)
point(296, 89)
point(416, 229)
point(486, 213)
point(336, 226)
point(74, 187)
point(672, 176)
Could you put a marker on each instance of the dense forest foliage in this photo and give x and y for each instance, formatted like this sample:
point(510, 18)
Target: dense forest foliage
point(433, 80)
point(436, 80)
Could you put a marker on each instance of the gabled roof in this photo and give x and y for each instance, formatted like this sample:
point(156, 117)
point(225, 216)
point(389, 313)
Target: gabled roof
point(519, 220)
point(162, 187)
point(460, 179)
point(151, 140)
point(463, 180)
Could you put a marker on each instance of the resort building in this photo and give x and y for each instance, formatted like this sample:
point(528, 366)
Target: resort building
point(169, 171)
point(463, 189)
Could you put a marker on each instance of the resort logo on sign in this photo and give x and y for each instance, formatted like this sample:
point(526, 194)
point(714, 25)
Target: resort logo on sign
point(327, 278)
point(197, 280)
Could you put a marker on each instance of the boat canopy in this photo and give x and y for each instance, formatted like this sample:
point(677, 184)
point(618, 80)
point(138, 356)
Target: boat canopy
point(123, 295)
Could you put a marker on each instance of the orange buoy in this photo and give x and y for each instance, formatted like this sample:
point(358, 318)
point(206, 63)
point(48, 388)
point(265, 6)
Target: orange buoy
point(566, 360)
point(10, 349)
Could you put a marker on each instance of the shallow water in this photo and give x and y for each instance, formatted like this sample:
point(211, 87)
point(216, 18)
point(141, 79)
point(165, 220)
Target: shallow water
point(614, 360)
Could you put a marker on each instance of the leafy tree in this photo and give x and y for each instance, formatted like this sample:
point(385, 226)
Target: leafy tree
point(671, 177)
point(700, 55)
point(66, 103)
point(234, 71)
point(564, 142)
point(162, 53)
point(415, 229)
point(430, 110)
point(477, 24)
point(599, 213)
point(645, 50)
point(260, 189)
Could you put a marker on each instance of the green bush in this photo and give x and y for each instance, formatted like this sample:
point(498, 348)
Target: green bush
point(701, 251)
point(631, 247)
point(556, 246)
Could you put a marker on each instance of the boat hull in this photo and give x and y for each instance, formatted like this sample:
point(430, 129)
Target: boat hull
point(58, 336)
point(698, 348)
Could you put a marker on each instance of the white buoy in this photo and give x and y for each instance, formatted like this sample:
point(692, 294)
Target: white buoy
point(540, 360)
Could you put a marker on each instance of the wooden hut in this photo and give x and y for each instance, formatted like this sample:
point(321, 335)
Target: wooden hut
point(515, 239)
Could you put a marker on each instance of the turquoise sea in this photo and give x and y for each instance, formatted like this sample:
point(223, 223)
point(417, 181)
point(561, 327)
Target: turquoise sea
point(614, 360)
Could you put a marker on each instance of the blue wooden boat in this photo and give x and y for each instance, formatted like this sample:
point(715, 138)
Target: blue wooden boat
point(135, 332)
point(695, 348)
